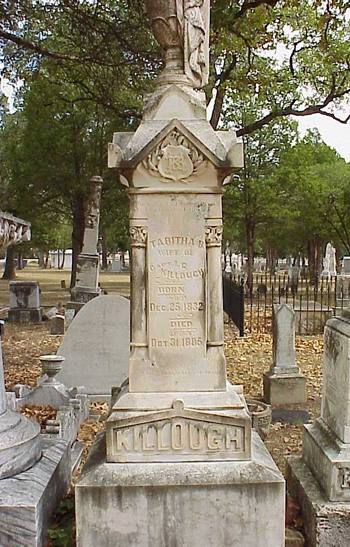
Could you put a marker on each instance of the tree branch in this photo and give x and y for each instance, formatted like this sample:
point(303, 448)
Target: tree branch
point(253, 4)
point(290, 111)
point(25, 44)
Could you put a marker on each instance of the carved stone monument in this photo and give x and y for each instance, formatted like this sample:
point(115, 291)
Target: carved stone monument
point(320, 479)
point(284, 384)
point(13, 230)
point(179, 437)
point(24, 302)
point(329, 262)
point(86, 286)
point(34, 474)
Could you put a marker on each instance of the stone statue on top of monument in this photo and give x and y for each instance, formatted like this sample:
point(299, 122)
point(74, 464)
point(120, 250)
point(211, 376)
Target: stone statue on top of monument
point(182, 29)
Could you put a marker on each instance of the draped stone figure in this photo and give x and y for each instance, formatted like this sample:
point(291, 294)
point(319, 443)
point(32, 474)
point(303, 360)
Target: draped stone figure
point(182, 29)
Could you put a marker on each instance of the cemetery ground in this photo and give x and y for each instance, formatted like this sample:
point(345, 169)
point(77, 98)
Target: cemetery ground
point(248, 359)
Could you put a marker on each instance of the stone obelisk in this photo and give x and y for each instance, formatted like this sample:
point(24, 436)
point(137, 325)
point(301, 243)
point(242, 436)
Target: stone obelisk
point(86, 286)
point(179, 436)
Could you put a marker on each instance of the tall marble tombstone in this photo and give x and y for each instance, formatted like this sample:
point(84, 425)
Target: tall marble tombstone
point(182, 465)
point(86, 286)
point(320, 479)
point(283, 383)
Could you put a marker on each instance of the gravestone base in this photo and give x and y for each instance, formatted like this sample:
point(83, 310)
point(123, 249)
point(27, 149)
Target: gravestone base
point(82, 296)
point(19, 315)
point(286, 389)
point(27, 500)
point(329, 460)
point(326, 523)
point(220, 504)
point(179, 426)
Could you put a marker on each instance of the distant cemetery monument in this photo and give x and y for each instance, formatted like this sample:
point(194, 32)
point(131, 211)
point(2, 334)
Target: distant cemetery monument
point(180, 463)
point(86, 285)
point(13, 230)
point(34, 472)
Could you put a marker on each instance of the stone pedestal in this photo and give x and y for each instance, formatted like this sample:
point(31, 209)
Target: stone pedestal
point(221, 504)
point(284, 384)
point(28, 499)
point(321, 478)
point(24, 302)
point(326, 523)
point(19, 437)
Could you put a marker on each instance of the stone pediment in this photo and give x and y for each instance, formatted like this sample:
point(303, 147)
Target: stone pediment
point(177, 151)
point(178, 433)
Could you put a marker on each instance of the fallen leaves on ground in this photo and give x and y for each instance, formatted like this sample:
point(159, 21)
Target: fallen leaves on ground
point(41, 414)
point(248, 359)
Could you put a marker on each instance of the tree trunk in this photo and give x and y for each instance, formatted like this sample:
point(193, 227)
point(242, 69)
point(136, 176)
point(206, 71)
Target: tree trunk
point(315, 255)
point(10, 268)
point(250, 234)
point(41, 261)
point(271, 260)
point(78, 211)
point(61, 265)
point(215, 117)
point(19, 261)
point(104, 250)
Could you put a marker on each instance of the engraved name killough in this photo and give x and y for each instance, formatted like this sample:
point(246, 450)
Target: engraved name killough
point(179, 435)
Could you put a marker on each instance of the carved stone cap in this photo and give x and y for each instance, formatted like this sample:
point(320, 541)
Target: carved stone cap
point(96, 179)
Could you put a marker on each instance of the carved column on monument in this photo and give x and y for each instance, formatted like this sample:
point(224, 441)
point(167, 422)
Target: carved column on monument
point(213, 239)
point(86, 286)
point(138, 240)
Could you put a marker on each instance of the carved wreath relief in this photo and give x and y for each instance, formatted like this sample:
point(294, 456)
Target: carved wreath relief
point(175, 159)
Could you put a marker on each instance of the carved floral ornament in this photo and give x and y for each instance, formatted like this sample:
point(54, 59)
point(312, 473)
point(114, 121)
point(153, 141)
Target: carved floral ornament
point(175, 159)
point(213, 236)
point(138, 235)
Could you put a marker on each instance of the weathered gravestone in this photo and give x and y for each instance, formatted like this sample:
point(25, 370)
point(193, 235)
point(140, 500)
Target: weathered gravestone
point(86, 287)
point(57, 324)
point(320, 479)
point(34, 472)
point(284, 384)
point(96, 346)
point(24, 302)
point(346, 265)
point(329, 262)
point(34, 476)
point(179, 442)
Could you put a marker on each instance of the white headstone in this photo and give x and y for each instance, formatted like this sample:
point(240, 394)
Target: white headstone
point(346, 265)
point(96, 346)
point(284, 384)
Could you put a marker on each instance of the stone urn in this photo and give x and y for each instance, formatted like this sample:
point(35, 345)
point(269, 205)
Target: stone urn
point(261, 415)
point(167, 30)
point(51, 365)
